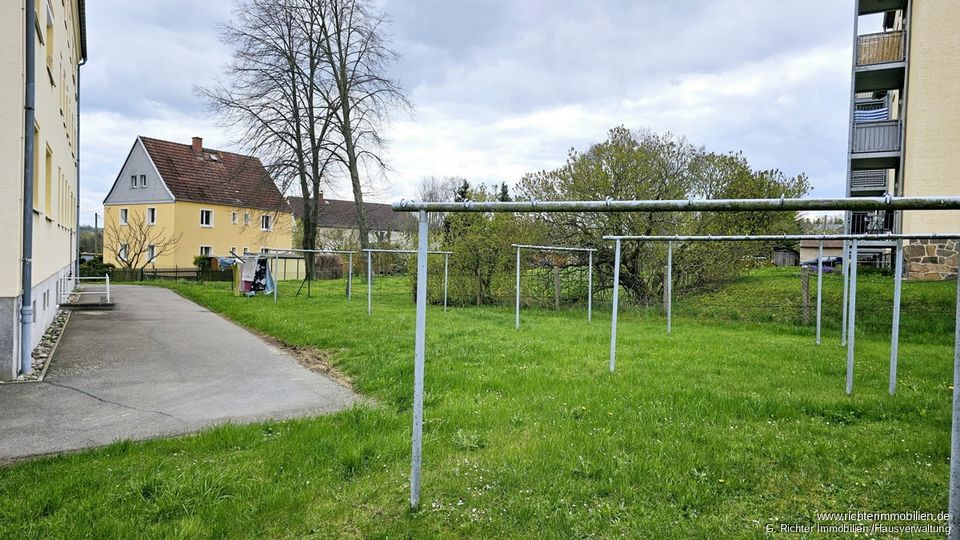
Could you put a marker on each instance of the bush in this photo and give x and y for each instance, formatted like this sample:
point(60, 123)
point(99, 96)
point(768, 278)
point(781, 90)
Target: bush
point(95, 268)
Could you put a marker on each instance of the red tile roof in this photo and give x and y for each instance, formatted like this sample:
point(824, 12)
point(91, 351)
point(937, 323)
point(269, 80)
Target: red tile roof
point(337, 214)
point(215, 176)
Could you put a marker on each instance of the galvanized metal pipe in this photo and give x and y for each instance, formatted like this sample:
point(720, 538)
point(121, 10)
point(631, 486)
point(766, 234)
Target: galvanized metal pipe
point(350, 277)
point(420, 342)
point(846, 291)
point(690, 205)
point(274, 274)
point(553, 248)
point(590, 287)
point(819, 288)
point(895, 331)
point(669, 287)
point(410, 251)
point(852, 317)
point(446, 273)
point(517, 311)
point(29, 150)
point(775, 237)
point(107, 276)
point(369, 283)
point(616, 301)
point(954, 508)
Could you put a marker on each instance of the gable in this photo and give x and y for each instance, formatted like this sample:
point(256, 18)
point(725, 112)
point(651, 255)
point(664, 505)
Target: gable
point(138, 164)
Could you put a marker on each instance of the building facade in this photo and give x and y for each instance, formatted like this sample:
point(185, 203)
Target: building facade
point(59, 44)
point(337, 224)
point(172, 202)
point(903, 125)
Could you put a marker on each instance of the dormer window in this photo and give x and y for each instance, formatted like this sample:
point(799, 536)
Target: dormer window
point(133, 181)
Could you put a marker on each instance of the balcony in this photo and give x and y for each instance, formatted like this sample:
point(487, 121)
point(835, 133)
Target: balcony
point(876, 145)
point(876, 222)
point(866, 7)
point(880, 61)
point(869, 180)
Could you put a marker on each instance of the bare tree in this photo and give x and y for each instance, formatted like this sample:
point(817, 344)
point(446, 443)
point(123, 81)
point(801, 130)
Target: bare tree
point(275, 93)
point(357, 56)
point(137, 243)
point(437, 189)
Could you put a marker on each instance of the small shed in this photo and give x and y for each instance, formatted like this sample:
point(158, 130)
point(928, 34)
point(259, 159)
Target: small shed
point(784, 256)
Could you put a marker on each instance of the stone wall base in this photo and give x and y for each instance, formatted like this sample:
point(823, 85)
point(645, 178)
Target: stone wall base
point(931, 260)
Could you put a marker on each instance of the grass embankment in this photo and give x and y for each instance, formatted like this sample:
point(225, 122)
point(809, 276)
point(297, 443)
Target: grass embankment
point(715, 431)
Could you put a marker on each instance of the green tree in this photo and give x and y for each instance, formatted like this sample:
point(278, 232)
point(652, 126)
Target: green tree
point(644, 165)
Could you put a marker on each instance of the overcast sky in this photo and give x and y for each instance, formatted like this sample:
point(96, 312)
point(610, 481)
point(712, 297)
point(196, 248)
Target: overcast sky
point(501, 88)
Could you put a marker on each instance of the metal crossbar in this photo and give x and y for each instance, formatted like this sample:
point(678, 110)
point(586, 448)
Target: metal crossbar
point(886, 202)
point(589, 251)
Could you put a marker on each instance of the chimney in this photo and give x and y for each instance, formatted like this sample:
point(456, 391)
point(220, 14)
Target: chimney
point(197, 145)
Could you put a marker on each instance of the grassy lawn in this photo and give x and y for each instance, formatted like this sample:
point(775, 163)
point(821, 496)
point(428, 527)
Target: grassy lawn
point(735, 421)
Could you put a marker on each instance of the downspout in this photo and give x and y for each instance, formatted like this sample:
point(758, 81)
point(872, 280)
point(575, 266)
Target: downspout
point(76, 252)
point(29, 106)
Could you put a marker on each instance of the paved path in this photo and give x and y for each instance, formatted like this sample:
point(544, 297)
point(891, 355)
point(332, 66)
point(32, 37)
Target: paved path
point(156, 365)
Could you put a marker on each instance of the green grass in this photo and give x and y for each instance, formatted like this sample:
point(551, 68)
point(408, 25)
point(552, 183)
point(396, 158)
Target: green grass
point(716, 431)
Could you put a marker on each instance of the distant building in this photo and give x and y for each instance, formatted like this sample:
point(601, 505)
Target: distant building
point(903, 136)
point(60, 44)
point(337, 223)
point(215, 202)
point(809, 249)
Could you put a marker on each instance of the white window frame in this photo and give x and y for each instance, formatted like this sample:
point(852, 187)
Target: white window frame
point(143, 180)
point(133, 181)
point(246, 218)
point(233, 249)
point(123, 252)
point(124, 216)
point(233, 217)
point(209, 252)
point(151, 253)
point(264, 250)
point(269, 219)
point(151, 215)
point(210, 224)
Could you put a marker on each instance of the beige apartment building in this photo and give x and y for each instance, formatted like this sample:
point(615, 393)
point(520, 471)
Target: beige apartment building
point(56, 30)
point(905, 125)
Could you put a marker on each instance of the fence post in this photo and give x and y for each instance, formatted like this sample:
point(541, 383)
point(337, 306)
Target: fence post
point(616, 299)
point(418, 361)
point(350, 276)
point(819, 288)
point(370, 283)
point(446, 268)
point(954, 494)
point(517, 310)
point(895, 332)
point(852, 316)
point(108, 286)
point(846, 291)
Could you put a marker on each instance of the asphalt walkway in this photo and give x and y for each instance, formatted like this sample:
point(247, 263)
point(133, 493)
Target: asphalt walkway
point(156, 365)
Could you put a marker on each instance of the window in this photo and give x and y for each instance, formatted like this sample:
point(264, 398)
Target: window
point(48, 42)
point(48, 182)
point(151, 216)
point(246, 218)
point(151, 253)
point(143, 180)
point(266, 222)
point(206, 218)
point(233, 218)
point(122, 252)
point(264, 250)
point(133, 181)
point(246, 250)
point(123, 216)
point(36, 168)
point(233, 249)
point(206, 251)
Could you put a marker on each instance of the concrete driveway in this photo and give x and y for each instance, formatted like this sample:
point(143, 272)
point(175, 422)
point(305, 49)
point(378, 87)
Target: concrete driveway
point(156, 365)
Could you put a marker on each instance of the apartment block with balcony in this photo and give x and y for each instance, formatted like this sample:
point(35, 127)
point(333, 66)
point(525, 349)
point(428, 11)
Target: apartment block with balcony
point(903, 136)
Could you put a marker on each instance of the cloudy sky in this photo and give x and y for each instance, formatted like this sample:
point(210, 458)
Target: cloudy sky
point(505, 87)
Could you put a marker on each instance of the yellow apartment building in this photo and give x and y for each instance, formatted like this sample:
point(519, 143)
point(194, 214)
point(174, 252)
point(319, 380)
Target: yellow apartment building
point(42, 42)
point(904, 118)
point(172, 202)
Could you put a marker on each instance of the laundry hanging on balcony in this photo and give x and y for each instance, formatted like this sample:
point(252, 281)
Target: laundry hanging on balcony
point(871, 115)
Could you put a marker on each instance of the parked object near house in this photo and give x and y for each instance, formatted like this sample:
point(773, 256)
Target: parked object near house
point(830, 264)
point(337, 223)
point(42, 45)
point(903, 128)
point(212, 202)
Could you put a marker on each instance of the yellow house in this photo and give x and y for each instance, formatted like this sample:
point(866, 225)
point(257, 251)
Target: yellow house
point(904, 135)
point(172, 202)
point(42, 42)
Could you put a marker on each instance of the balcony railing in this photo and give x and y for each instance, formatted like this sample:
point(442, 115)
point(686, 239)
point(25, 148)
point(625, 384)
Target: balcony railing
point(876, 222)
point(880, 48)
point(868, 180)
point(873, 137)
